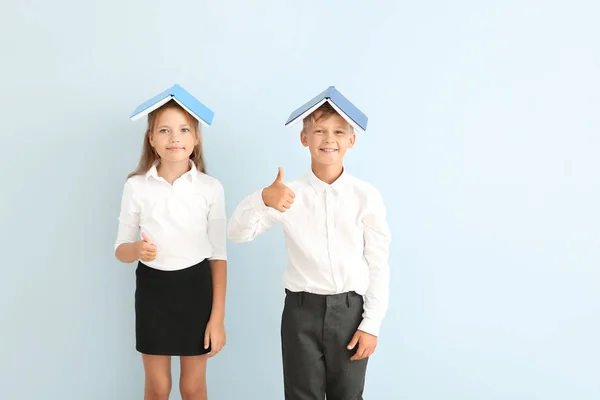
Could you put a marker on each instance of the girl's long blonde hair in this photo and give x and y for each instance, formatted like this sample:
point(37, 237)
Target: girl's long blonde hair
point(149, 155)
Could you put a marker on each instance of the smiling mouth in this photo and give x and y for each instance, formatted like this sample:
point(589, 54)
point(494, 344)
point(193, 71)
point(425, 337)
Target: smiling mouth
point(329, 150)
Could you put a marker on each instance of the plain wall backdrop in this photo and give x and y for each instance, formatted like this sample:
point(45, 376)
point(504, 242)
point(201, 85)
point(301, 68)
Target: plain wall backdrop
point(483, 139)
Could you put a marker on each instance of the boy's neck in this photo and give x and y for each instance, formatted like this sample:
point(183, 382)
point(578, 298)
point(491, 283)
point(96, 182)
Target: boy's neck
point(170, 172)
point(327, 173)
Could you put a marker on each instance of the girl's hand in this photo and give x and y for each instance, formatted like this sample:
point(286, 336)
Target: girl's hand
point(214, 336)
point(147, 249)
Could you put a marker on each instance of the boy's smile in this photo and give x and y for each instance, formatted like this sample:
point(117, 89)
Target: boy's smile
point(327, 139)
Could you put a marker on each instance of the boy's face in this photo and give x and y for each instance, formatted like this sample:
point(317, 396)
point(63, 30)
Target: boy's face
point(328, 138)
point(173, 137)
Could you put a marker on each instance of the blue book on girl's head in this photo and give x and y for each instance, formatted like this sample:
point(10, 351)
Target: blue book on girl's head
point(182, 97)
point(342, 105)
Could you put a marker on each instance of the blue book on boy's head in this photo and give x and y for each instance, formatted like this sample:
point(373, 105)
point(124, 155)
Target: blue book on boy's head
point(182, 97)
point(342, 105)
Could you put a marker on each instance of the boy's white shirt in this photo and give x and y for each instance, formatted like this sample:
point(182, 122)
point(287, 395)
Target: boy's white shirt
point(337, 240)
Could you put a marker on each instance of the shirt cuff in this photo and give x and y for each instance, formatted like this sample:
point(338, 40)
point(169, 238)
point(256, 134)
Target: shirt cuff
point(369, 326)
point(257, 201)
point(259, 205)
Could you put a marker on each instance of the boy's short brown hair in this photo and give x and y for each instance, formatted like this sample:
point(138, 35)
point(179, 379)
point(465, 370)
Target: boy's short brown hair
point(324, 111)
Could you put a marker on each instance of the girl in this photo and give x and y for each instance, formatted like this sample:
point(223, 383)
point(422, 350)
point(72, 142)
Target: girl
point(179, 212)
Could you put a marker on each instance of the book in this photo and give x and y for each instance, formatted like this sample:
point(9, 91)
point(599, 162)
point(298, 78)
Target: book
point(356, 118)
point(185, 99)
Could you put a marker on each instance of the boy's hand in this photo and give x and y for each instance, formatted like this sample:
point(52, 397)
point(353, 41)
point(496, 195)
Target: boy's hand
point(366, 345)
point(214, 336)
point(278, 196)
point(147, 249)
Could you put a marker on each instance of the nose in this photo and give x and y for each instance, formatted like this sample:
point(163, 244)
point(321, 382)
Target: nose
point(329, 137)
point(174, 137)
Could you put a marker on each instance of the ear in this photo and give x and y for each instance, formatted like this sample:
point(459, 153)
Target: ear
point(303, 138)
point(351, 139)
point(150, 138)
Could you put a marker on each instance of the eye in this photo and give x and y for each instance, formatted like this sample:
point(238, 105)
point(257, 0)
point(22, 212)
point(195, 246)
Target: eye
point(185, 130)
point(319, 132)
point(164, 130)
point(339, 132)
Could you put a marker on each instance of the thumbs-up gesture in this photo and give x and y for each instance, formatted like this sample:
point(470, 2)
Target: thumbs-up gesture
point(147, 249)
point(278, 196)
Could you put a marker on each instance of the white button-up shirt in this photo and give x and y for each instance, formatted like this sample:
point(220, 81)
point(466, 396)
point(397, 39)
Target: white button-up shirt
point(186, 221)
point(337, 240)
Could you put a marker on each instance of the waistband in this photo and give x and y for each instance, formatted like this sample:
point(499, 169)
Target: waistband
point(146, 270)
point(324, 299)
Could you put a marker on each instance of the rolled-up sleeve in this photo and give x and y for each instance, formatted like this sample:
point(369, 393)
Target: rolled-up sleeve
point(129, 217)
point(217, 224)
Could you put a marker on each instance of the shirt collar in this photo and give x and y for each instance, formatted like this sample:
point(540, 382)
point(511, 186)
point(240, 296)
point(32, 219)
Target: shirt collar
point(319, 186)
point(192, 174)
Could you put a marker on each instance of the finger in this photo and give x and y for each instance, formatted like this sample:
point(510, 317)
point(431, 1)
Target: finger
point(291, 193)
point(366, 351)
point(353, 342)
point(146, 238)
point(360, 354)
point(206, 340)
point(149, 255)
point(216, 347)
point(216, 350)
point(279, 175)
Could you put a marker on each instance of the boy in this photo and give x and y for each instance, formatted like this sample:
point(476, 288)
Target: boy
point(337, 241)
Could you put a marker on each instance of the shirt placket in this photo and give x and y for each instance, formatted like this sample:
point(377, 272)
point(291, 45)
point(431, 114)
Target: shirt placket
point(330, 218)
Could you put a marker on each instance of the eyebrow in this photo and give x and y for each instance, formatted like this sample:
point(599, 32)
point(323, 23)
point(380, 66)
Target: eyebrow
point(335, 128)
point(168, 126)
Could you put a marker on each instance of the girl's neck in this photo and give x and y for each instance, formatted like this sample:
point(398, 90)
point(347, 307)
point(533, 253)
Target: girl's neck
point(170, 172)
point(327, 173)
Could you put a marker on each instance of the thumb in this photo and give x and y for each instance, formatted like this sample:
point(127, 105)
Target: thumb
point(146, 238)
point(354, 341)
point(206, 339)
point(279, 175)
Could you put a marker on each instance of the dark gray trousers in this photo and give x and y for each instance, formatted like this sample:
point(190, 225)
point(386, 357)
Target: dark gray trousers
point(315, 332)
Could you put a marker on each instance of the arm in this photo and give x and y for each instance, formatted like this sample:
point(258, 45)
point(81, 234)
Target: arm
point(215, 330)
point(376, 251)
point(217, 221)
point(214, 335)
point(258, 212)
point(252, 218)
point(127, 245)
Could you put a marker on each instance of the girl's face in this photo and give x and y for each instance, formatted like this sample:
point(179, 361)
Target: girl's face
point(173, 137)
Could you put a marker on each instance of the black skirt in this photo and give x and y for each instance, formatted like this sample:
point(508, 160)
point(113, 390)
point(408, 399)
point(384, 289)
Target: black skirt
point(172, 309)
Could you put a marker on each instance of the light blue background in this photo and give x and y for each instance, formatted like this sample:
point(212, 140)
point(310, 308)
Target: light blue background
point(483, 138)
